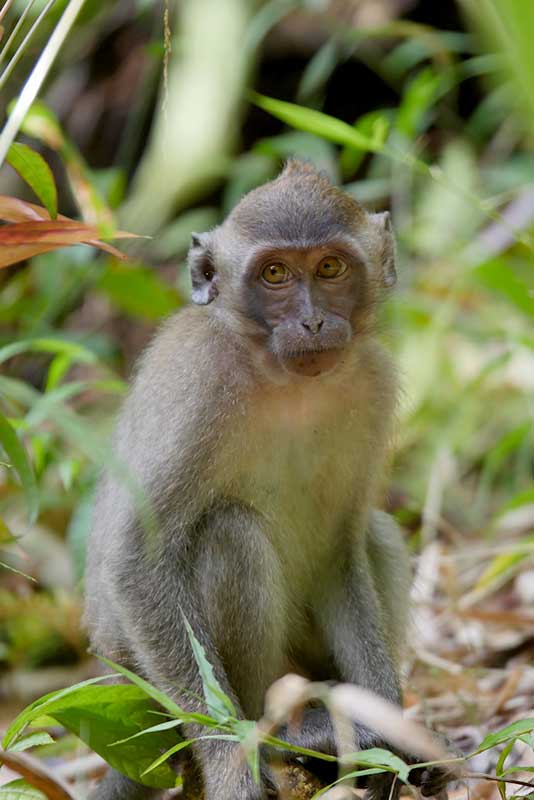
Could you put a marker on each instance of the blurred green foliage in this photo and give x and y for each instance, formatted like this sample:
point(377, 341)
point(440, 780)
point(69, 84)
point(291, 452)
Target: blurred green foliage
point(459, 180)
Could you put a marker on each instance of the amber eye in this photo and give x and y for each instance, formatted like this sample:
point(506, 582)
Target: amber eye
point(276, 273)
point(331, 267)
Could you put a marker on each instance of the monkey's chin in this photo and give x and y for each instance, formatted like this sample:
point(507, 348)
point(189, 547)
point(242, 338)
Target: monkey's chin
point(313, 363)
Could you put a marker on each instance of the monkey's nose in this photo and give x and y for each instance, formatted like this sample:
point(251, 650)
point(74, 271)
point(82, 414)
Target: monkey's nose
point(313, 325)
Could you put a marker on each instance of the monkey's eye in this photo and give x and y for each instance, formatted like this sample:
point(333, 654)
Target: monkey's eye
point(276, 273)
point(331, 267)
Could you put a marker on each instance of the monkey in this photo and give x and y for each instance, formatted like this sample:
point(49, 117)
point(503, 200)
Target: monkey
point(258, 423)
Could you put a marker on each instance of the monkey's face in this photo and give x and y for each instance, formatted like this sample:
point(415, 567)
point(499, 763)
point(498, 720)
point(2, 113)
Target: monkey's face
point(307, 301)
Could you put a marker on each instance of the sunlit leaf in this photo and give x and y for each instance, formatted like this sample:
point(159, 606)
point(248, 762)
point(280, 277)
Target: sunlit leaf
point(417, 99)
point(41, 123)
point(100, 715)
point(33, 169)
point(307, 119)
point(513, 731)
point(33, 740)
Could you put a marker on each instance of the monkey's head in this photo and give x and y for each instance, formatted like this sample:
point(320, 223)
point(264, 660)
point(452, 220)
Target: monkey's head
point(298, 266)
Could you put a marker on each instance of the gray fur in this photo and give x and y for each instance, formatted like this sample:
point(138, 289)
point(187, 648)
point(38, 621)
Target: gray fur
point(261, 484)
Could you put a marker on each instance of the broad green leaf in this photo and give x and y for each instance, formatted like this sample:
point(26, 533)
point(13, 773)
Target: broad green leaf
point(307, 119)
point(41, 123)
point(39, 708)
point(160, 697)
point(138, 291)
point(20, 790)
point(100, 715)
point(19, 460)
point(513, 731)
point(201, 719)
point(217, 701)
point(34, 170)
point(33, 740)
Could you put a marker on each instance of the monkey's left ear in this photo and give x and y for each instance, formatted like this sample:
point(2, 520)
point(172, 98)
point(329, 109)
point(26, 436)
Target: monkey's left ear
point(204, 277)
point(387, 248)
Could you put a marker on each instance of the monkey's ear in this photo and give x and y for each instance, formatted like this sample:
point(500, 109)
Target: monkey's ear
point(204, 277)
point(387, 248)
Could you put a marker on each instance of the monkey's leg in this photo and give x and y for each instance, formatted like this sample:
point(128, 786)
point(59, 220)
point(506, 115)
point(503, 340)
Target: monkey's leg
point(115, 786)
point(364, 622)
point(225, 586)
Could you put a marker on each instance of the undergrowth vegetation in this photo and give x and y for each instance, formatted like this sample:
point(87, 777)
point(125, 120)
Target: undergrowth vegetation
point(447, 145)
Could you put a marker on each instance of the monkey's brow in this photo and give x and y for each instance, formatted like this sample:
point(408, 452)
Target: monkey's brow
point(347, 246)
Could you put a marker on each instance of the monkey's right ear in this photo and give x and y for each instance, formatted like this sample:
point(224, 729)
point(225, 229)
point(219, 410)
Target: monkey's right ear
point(204, 276)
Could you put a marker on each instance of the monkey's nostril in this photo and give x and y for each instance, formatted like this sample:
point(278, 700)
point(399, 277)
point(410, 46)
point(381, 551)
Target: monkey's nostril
point(312, 325)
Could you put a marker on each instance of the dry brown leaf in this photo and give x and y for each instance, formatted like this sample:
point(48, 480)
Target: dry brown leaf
point(30, 231)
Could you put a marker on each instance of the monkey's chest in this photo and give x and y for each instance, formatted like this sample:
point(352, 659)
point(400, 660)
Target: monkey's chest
point(302, 484)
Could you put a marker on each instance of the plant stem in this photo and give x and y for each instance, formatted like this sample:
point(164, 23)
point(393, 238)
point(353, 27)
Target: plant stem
point(38, 75)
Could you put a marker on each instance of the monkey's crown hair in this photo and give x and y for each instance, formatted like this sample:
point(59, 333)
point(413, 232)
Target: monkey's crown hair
point(300, 204)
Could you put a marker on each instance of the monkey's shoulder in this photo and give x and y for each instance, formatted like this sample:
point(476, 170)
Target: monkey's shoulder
point(191, 355)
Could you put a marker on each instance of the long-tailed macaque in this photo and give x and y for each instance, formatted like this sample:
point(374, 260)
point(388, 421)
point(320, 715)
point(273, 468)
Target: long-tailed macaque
point(258, 424)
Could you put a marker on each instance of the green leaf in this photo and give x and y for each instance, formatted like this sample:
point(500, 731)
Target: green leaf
point(138, 291)
point(217, 701)
point(75, 351)
point(359, 773)
point(513, 731)
point(316, 122)
point(100, 715)
point(160, 697)
point(420, 94)
point(33, 740)
point(375, 126)
point(20, 790)
point(497, 276)
point(500, 568)
point(166, 755)
point(39, 708)
point(499, 767)
point(19, 460)
point(33, 169)
point(181, 745)
point(378, 757)
point(6, 537)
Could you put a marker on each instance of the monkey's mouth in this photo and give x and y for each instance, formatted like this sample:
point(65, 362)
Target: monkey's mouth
point(311, 363)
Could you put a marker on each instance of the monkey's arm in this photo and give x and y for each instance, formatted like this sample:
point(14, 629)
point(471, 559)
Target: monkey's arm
point(143, 581)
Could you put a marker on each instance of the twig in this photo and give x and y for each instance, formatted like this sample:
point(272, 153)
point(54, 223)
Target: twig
point(37, 775)
point(482, 776)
